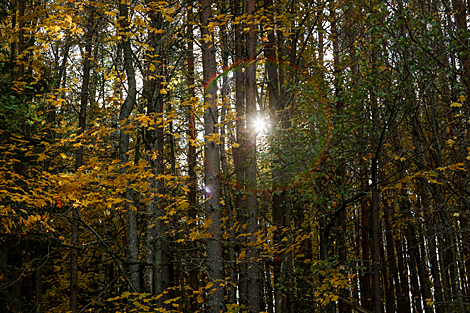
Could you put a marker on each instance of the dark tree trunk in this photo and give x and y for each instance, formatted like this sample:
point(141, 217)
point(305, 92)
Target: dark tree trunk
point(79, 159)
point(215, 266)
point(126, 109)
point(192, 161)
point(20, 38)
point(250, 172)
point(239, 157)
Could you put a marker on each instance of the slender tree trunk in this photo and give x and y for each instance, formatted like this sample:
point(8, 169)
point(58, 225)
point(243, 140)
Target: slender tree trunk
point(192, 162)
point(403, 300)
point(440, 253)
point(454, 274)
point(167, 266)
point(444, 262)
point(239, 157)
point(38, 289)
point(278, 198)
point(227, 192)
point(364, 281)
point(251, 201)
point(394, 291)
point(418, 245)
point(126, 109)
point(411, 246)
point(402, 270)
point(20, 38)
point(159, 272)
point(432, 248)
point(79, 159)
point(375, 230)
point(341, 167)
point(152, 269)
point(215, 266)
point(460, 15)
point(375, 241)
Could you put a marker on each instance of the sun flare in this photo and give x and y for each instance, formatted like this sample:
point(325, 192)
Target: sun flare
point(260, 125)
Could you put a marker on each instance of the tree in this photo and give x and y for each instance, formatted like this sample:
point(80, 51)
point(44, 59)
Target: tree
point(215, 270)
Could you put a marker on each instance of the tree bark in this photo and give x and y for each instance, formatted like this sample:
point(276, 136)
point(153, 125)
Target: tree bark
point(126, 109)
point(20, 38)
point(79, 159)
point(239, 157)
point(279, 197)
point(250, 172)
point(215, 266)
point(394, 290)
point(192, 161)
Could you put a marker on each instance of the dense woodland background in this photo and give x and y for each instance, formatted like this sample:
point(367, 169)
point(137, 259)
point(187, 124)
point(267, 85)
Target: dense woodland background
point(136, 174)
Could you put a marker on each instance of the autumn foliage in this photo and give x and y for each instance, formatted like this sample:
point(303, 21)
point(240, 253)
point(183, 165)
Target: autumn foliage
point(234, 156)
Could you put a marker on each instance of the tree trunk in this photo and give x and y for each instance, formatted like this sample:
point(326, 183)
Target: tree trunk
point(159, 245)
point(279, 198)
point(392, 261)
point(20, 38)
point(227, 192)
point(341, 167)
point(79, 159)
point(250, 172)
point(126, 109)
point(192, 161)
point(215, 266)
point(239, 158)
point(375, 242)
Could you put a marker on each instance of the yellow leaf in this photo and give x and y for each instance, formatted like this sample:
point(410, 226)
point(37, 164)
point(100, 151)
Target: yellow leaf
point(457, 166)
point(183, 205)
point(462, 98)
point(42, 157)
point(193, 236)
point(207, 223)
point(455, 105)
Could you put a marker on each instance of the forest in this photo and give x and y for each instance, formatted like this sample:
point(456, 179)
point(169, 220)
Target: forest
point(275, 156)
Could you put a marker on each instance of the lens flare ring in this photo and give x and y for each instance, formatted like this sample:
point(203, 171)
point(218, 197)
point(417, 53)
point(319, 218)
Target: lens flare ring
point(303, 81)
